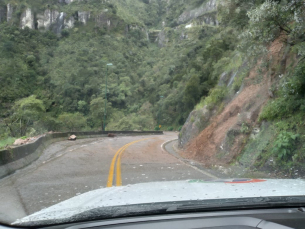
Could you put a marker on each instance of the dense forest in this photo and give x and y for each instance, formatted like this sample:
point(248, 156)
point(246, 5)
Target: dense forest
point(169, 58)
point(57, 81)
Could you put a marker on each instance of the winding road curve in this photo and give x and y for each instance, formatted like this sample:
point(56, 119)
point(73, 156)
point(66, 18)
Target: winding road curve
point(67, 169)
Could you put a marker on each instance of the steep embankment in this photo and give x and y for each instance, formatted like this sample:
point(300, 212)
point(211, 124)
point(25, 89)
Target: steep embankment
point(235, 134)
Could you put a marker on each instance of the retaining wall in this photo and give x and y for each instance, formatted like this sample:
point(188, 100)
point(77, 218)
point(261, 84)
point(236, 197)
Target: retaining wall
point(17, 157)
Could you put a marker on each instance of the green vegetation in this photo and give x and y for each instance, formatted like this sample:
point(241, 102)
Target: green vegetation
point(6, 142)
point(161, 70)
point(280, 141)
point(66, 75)
point(285, 145)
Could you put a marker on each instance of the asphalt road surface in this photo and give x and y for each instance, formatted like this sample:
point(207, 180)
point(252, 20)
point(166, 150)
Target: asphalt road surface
point(67, 169)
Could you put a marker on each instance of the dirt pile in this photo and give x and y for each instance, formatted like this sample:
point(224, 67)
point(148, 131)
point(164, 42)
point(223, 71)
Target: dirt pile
point(21, 141)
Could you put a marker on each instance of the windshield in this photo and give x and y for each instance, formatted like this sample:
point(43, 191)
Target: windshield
point(110, 108)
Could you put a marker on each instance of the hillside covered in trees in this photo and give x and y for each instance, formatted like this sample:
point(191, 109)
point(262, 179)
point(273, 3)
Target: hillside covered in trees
point(175, 63)
point(54, 57)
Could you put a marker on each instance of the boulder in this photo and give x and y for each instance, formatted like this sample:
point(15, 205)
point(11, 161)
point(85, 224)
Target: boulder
point(72, 138)
point(19, 142)
point(111, 135)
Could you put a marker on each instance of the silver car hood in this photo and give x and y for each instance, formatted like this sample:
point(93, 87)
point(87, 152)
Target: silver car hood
point(164, 192)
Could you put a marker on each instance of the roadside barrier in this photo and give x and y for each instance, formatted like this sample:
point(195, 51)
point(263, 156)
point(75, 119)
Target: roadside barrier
point(18, 157)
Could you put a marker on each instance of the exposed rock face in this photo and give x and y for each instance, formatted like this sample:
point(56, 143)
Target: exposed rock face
point(103, 20)
point(162, 39)
point(27, 19)
point(52, 19)
point(83, 16)
point(196, 122)
point(9, 13)
point(47, 19)
point(209, 19)
point(59, 25)
point(68, 1)
point(210, 6)
point(69, 23)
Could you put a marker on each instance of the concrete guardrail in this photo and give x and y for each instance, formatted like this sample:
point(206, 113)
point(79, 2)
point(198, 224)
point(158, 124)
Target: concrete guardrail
point(18, 157)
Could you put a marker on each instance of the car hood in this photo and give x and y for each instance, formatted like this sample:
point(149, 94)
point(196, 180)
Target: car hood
point(168, 192)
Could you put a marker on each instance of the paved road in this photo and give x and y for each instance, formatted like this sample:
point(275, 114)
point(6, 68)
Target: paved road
point(67, 169)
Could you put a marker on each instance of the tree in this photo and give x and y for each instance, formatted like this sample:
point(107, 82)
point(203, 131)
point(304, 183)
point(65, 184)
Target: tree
point(272, 18)
point(97, 110)
point(192, 92)
point(23, 114)
point(82, 106)
point(72, 122)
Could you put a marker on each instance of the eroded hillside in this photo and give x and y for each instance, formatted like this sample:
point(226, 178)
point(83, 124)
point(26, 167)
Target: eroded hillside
point(256, 125)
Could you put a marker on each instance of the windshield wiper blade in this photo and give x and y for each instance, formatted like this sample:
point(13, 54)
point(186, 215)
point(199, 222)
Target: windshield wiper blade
point(240, 203)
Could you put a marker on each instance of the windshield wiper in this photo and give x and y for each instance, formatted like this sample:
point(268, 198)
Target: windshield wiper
point(240, 203)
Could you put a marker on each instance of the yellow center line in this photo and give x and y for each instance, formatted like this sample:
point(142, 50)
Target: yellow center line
point(118, 165)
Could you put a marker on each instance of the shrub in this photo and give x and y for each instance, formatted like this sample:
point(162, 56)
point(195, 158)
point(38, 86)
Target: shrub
point(180, 128)
point(72, 121)
point(157, 128)
point(170, 128)
point(216, 96)
point(65, 33)
point(285, 145)
point(245, 129)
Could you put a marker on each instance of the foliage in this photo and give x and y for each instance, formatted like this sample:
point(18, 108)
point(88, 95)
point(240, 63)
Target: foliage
point(273, 18)
point(24, 113)
point(216, 95)
point(245, 129)
point(234, 13)
point(97, 110)
point(68, 73)
point(290, 98)
point(170, 128)
point(6, 141)
point(72, 122)
point(285, 145)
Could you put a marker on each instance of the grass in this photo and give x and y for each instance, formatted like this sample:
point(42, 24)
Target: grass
point(7, 141)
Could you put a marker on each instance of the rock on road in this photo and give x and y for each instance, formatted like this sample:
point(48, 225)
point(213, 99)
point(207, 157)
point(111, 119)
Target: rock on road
point(67, 169)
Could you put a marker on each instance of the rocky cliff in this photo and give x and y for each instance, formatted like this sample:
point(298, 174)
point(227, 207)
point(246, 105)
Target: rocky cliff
point(52, 18)
point(205, 14)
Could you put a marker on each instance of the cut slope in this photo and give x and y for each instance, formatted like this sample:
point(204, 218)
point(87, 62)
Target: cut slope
point(223, 139)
